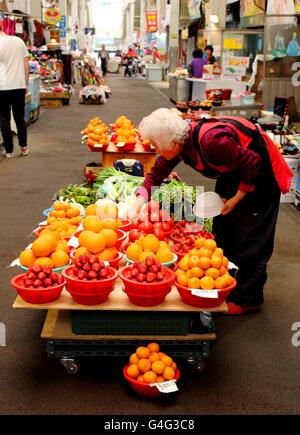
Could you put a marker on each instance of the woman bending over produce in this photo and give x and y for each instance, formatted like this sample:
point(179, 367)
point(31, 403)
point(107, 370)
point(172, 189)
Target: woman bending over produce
point(250, 175)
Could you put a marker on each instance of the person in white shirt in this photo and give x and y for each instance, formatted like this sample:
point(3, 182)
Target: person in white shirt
point(14, 76)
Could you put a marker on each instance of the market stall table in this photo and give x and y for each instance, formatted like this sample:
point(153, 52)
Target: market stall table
point(63, 344)
point(201, 85)
point(235, 107)
point(113, 153)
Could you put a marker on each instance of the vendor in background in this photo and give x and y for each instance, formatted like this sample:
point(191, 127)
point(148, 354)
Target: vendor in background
point(156, 54)
point(104, 56)
point(210, 59)
point(197, 64)
point(250, 173)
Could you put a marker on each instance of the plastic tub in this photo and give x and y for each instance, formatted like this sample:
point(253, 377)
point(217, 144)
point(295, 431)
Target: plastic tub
point(126, 225)
point(89, 288)
point(168, 264)
point(90, 299)
point(37, 296)
point(47, 211)
point(208, 205)
point(145, 389)
point(202, 302)
point(57, 270)
point(113, 263)
point(175, 250)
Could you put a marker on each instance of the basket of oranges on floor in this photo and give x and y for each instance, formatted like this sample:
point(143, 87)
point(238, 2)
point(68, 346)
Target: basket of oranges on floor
point(149, 369)
point(202, 277)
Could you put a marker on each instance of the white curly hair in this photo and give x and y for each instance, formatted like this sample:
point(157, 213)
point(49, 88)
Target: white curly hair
point(164, 128)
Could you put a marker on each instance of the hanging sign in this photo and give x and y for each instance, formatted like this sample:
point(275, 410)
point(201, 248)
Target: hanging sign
point(249, 8)
point(151, 17)
point(52, 16)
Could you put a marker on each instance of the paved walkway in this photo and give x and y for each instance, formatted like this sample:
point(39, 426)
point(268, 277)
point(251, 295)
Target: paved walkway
point(253, 366)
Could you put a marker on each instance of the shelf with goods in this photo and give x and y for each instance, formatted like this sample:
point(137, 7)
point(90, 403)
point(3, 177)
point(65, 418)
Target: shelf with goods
point(51, 67)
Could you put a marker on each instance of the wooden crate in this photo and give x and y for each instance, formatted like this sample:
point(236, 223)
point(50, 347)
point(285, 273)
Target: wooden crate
point(55, 99)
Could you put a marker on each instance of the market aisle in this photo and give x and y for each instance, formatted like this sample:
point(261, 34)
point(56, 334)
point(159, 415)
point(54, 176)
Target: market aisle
point(253, 367)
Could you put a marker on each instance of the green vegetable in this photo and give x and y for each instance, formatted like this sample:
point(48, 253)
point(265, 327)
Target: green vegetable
point(79, 193)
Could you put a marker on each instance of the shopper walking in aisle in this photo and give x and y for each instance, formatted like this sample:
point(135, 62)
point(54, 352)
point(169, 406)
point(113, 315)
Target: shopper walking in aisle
point(14, 76)
point(250, 174)
point(104, 56)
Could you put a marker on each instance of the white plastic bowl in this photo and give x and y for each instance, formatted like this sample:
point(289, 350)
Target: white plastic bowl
point(208, 205)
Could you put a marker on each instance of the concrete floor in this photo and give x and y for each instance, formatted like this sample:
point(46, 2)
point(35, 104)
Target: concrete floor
point(253, 368)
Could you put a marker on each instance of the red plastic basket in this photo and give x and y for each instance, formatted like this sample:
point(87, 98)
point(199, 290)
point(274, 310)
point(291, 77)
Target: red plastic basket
point(126, 225)
point(144, 288)
point(113, 263)
point(202, 302)
point(37, 296)
point(144, 294)
point(121, 238)
point(90, 300)
point(89, 288)
point(145, 389)
point(175, 250)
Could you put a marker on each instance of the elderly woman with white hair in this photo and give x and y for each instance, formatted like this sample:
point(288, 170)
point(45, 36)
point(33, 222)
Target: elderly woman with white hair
point(250, 175)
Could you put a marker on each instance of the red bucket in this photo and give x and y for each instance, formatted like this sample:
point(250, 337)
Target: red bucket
point(82, 287)
point(202, 302)
point(145, 389)
point(37, 296)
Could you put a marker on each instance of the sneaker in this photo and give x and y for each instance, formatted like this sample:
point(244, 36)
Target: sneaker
point(24, 151)
point(6, 155)
point(236, 310)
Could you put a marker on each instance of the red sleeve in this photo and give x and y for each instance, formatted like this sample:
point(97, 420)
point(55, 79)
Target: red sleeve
point(159, 172)
point(223, 152)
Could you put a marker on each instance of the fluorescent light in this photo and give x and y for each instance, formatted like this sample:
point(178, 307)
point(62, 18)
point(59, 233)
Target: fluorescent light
point(214, 19)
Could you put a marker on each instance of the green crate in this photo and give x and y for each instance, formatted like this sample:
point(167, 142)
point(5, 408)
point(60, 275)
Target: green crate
point(130, 323)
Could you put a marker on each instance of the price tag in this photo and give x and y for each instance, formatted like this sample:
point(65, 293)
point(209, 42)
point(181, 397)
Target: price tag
point(211, 294)
point(98, 145)
point(120, 144)
point(166, 387)
point(74, 242)
point(106, 263)
point(16, 262)
point(232, 266)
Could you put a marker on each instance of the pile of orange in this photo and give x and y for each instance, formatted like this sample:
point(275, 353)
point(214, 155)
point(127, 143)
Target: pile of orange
point(124, 130)
point(96, 132)
point(64, 210)
point(149, 246)
point(150, 366)
point(108, 214)
point(46, 251)
point(204, 267)
point(99, 237)
point(61, 229)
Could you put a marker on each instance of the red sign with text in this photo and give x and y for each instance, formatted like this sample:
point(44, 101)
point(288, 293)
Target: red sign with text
point(152, 21)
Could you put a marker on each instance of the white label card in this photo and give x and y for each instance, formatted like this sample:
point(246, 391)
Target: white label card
point(166, 387)
point(73, 242)
point(16, 262)
point(106, 263)
point(211, 294)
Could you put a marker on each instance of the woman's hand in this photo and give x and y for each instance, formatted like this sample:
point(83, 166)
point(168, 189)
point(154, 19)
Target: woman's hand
point(136, 208)
point(231, 203)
